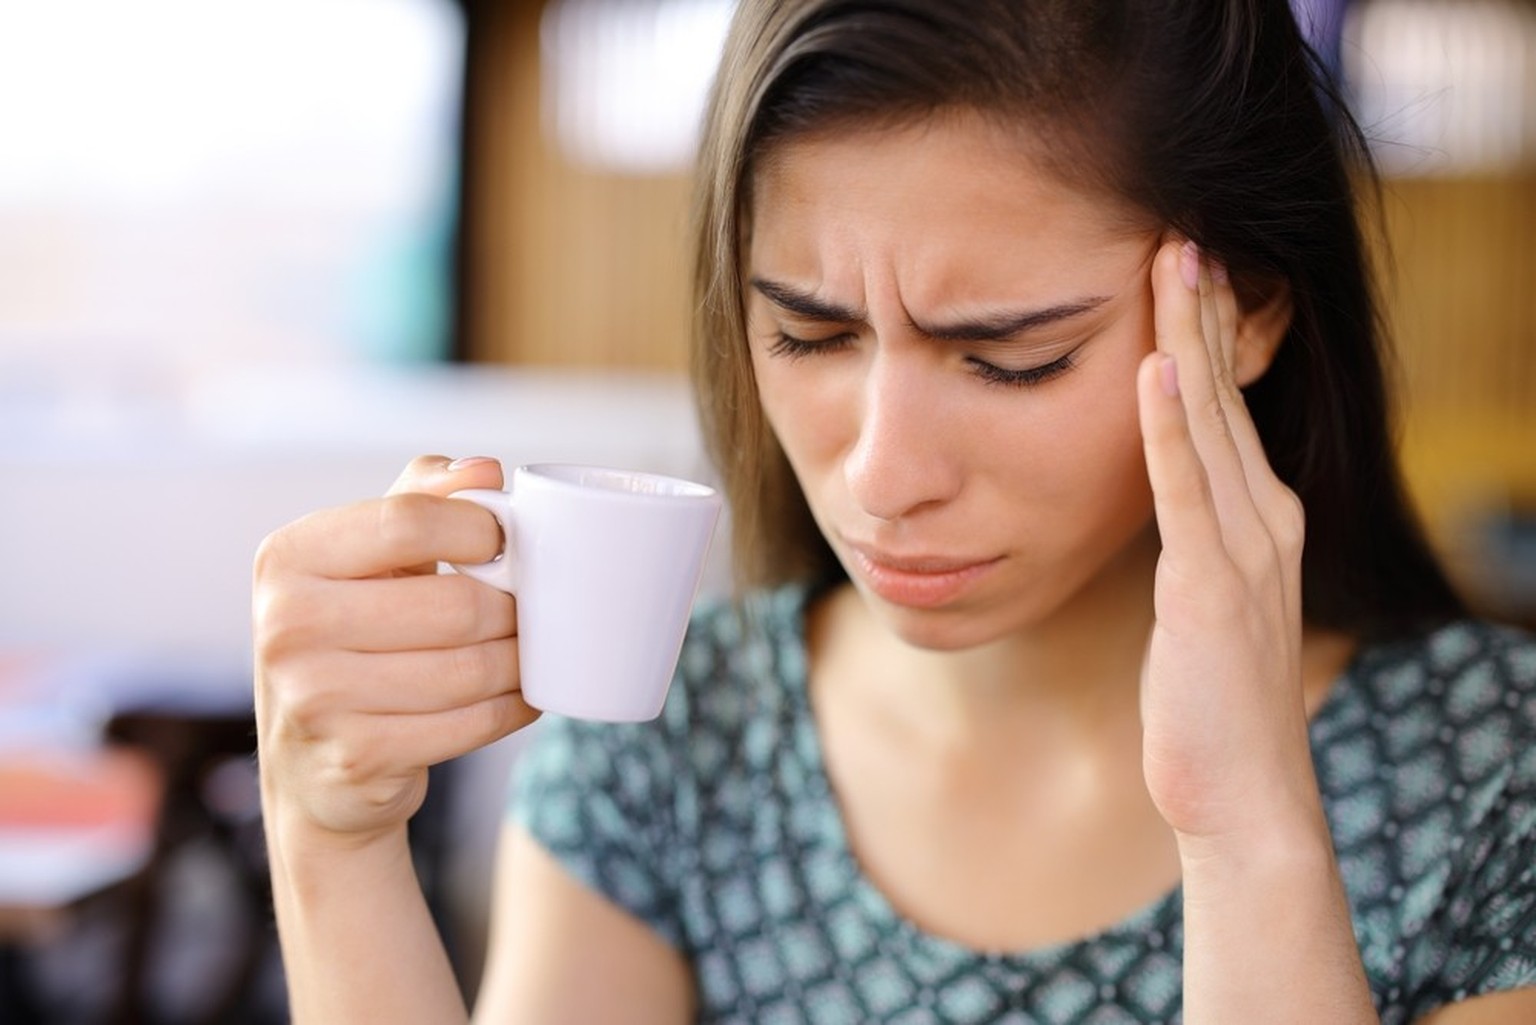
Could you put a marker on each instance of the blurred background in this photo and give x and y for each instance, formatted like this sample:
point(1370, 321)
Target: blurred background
point(255, 254)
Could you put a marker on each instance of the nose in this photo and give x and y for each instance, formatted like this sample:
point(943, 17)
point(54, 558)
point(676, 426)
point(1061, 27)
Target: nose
point(904, 458)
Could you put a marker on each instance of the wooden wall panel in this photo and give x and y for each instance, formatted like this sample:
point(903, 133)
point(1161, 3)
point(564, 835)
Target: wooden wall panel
point(1462, 299)
point(567, 266)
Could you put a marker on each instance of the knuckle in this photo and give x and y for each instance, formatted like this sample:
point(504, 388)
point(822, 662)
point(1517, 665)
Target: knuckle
point(416, 471)
point(284, 550)
point(1290, 522)
point(286, 620)
point(279, 553)
point(306, 710)
point(298, 706)
point(275, 629)
point(425, 464)
point(404, 521)
point(270, 555)
point(352, 765)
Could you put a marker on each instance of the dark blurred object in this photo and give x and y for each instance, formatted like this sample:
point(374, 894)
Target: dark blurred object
point(207, 802)
point(1504, 563)
point(186, 939)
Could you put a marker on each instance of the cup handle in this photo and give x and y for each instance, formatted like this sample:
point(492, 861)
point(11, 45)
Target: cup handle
point(500, 572)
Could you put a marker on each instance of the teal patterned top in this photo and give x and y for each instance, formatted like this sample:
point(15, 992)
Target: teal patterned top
point(716, 825)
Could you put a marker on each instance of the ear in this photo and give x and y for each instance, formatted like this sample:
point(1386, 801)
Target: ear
point(1264, 310)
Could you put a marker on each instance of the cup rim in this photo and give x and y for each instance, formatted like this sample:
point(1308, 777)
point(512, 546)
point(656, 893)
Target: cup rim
point(559, 474)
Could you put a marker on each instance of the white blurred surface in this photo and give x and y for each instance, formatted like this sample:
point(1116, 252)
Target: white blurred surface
point(129, 516)
point(1444, 87)
point(199, 183)
point(625, 81)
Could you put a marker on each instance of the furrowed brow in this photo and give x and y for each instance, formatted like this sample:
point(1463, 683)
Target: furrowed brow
point(988, 328)
point(999, 326)
point(805, 304)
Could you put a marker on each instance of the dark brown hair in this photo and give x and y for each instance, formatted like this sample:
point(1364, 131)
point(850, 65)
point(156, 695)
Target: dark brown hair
point(1212, 116)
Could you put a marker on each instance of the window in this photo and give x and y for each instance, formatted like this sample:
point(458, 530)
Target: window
point(190, 184)
point(625, 80)
point(1444, 87)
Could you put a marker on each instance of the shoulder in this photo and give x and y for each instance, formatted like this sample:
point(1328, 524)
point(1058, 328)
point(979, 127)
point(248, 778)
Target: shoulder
point(1447, 718)
point(1467, 686)
point(1426, 756)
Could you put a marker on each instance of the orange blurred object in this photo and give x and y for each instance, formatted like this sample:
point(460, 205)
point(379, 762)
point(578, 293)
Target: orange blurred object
point(107, 787)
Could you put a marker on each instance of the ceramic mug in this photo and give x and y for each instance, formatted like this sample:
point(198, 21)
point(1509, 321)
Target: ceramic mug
point(605, 565)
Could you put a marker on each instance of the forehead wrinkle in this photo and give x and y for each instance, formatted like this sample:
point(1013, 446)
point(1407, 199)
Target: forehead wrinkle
point(999, 324)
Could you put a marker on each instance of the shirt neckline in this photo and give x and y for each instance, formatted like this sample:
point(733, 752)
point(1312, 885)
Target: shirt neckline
point(1156, 925)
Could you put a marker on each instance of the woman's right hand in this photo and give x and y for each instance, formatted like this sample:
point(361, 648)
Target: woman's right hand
point(371, 666)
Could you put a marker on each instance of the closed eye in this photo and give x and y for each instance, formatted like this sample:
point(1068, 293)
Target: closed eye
point(1022, 378)
point(790, 347)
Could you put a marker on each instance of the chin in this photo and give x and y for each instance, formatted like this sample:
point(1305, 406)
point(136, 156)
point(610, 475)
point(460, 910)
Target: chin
point(959, 628)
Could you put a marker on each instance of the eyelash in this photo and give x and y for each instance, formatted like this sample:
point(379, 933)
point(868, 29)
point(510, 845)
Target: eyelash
point(1025, 377)
point(789, 347)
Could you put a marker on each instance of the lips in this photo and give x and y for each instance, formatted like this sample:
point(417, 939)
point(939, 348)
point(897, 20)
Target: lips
point(917, 580)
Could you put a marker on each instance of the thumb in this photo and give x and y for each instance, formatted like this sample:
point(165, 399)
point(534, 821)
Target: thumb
point(438, 475)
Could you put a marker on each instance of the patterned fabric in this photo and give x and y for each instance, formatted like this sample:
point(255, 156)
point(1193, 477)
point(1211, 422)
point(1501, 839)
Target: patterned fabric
point(716, 825)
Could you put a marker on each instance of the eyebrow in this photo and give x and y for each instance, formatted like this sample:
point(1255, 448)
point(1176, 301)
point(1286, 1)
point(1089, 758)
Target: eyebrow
point(986, 328)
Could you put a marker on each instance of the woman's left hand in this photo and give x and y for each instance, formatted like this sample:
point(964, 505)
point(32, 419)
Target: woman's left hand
point(1225, 752)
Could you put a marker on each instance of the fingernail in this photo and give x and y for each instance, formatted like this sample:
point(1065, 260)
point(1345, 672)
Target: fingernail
point(1168, 376)
point(1219, 272)
point(1189, 265)
point(468, 461)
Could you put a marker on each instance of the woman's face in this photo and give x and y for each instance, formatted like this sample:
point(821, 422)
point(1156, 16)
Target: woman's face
point(945, 340)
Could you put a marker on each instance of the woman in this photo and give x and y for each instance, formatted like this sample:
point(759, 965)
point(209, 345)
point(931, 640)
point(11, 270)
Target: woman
point(1029, 333)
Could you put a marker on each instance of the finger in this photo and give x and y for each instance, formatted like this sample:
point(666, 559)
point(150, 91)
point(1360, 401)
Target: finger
point(390, 614)
point(439, 475)
point(419, 682)
point(435, 737)
point(1272, 499)
point(1181, 491)
point(1259, 518)
point(1224, 299)
point(406, 532)
point(1181, 287)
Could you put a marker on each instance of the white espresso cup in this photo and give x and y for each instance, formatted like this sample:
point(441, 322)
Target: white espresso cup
point(605, 565)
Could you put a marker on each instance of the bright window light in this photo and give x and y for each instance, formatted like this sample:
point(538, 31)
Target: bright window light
point(625, 80)
point(189, 183)
point(1444, 87)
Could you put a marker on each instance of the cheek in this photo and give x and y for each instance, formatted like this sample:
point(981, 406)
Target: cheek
point(807, 408)
point(1083, 446)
